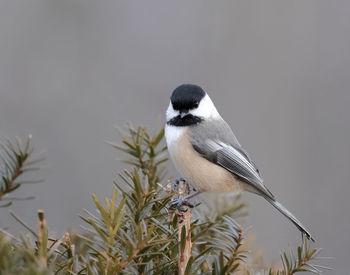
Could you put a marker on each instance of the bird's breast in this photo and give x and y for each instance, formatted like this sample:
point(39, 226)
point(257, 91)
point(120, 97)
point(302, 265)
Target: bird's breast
point(201, 173)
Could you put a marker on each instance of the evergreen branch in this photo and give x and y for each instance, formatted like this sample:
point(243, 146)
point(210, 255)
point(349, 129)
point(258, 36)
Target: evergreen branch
point(146, 151)
point(123, 265)
point(15, 159)
point(301, 263)
point(227, 240)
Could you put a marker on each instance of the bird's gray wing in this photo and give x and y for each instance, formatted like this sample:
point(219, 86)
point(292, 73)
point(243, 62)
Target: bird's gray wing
point(234, 159)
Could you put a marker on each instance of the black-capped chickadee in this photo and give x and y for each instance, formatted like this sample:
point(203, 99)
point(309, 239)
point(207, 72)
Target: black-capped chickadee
point(206, 152)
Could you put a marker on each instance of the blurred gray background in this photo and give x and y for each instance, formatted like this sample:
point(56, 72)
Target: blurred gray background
point(278, 71)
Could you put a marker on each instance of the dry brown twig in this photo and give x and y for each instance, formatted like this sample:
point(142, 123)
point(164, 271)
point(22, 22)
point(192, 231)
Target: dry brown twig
point(184, 216)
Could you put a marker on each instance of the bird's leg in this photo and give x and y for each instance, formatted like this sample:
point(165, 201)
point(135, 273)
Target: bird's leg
point(175, 184)
point(182, 200)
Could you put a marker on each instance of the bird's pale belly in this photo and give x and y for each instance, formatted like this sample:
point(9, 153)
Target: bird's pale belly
point(201, 173)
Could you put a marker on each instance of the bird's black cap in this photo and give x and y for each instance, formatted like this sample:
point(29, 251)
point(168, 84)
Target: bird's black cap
point(186, 97)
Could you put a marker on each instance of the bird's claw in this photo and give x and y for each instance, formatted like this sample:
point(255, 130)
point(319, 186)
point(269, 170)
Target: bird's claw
point(179, 203)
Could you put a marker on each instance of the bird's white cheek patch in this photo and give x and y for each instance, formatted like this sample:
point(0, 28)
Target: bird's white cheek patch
point(206, 109)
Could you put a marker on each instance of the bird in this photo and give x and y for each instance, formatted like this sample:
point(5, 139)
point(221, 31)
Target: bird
point(206, 152)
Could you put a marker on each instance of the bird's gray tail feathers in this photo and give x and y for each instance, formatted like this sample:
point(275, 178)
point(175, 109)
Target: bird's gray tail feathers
point(290, 216)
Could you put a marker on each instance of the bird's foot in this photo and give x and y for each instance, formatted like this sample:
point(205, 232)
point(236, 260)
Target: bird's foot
point(178, 204)
point(181, 188)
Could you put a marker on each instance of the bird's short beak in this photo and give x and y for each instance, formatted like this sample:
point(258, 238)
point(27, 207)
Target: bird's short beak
point(183, 114)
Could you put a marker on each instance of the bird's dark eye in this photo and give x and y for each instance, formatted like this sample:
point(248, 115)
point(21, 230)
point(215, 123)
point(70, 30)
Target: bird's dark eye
point(195, 105)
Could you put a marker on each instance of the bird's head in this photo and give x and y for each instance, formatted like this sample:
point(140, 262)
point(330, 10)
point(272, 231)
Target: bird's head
point(189, 105)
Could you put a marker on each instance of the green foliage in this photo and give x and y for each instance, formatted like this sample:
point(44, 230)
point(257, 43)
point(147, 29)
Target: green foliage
point(301, 263)
point(25, 257)
point(14, 161)
point(134, 232)
point(145, 152)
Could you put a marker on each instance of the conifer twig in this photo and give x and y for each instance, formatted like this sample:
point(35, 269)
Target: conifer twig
point(15, 161)
point(42, 237)
point(70, 251)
